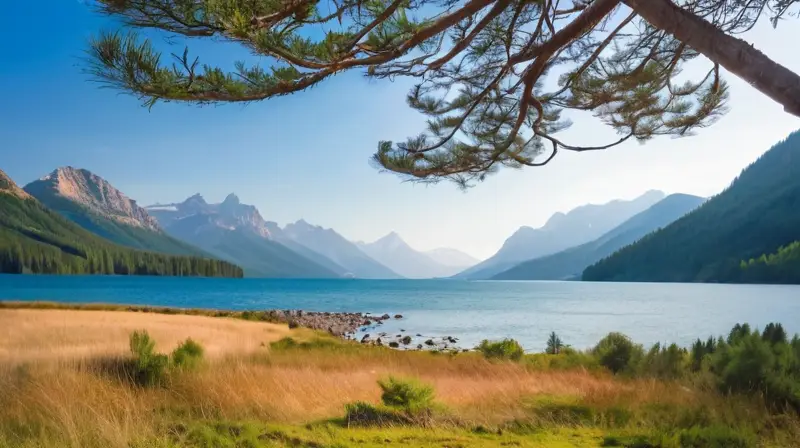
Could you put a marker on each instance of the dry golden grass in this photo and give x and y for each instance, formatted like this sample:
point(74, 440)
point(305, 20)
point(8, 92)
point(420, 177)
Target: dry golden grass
point(29, 336)
point(79, 404)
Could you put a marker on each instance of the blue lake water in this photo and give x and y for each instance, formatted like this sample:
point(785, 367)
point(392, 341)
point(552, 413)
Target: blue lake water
point(580, 312)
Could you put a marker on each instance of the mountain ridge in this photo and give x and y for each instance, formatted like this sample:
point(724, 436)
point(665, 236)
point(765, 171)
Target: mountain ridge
point(94, 204)
point(91, 191)
point(35, 239)
point(237, 232)
point(561, 231)
point(571, 262)
point(331, 244)
point(392, 251)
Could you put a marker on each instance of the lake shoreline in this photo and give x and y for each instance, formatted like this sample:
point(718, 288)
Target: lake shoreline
point(361, 327)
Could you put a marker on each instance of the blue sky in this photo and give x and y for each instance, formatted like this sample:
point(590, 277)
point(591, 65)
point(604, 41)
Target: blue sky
point(306, 155)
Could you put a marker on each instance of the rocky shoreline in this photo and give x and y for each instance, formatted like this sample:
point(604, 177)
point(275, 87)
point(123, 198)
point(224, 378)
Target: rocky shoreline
point(337, 323)
point(364, 328)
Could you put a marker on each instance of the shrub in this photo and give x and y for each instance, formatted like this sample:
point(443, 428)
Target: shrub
point(293, 324)
point(150, 368)
point(407, 394)
point(505, 349)
point(616, 352)
point(663, 362)
point(188, 355)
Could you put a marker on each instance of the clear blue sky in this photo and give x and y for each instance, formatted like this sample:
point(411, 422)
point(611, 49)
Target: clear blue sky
point(306, 156)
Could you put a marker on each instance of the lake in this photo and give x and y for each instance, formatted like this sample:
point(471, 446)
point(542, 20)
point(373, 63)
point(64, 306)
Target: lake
point(580, 312)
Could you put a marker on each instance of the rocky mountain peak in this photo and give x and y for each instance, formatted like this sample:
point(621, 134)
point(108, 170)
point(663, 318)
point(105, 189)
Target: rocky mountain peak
point(8, 186)
point(89, 190)
point(231, 200)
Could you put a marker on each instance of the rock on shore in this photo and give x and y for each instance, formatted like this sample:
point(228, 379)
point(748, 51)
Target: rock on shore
point(337, 324)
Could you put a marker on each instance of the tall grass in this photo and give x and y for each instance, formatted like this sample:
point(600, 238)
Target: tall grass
point(87, 401)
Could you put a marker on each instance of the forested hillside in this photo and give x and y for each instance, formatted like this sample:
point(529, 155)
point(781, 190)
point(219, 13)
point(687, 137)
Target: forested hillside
point(34, 239)
point(756, 215)
point(94, 204)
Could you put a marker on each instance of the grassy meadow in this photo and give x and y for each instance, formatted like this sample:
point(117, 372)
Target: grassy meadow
point(76, 378)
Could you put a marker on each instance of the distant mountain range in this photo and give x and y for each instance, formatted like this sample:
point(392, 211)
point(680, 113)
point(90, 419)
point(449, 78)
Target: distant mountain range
point(754, 217)
point(74, 221)
point(330, 244)
point(236, 232)
point(562, 231)
point(35, 239)
point(395, 253)
point(570, 263)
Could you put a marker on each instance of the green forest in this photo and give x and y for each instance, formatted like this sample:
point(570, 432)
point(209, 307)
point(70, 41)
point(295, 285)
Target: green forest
point(780, 267)
point(758, 214)
point(36, 240)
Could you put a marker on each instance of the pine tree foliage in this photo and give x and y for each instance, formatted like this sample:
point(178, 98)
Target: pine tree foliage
point(494, 77)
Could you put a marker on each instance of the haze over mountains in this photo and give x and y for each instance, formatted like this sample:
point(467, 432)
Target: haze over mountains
point(395, 253)
point(570, 263)
point(562, 230)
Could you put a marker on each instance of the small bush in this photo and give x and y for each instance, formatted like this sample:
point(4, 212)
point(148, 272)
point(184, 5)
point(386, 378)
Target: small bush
point(293, 324)
point(188, 355)
point(505, 349)
point(150, 368)
point(407, 394)
point(616, 352)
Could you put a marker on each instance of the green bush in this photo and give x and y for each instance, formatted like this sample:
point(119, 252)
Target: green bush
point(617, 353)
point(661, 362)
point(150, 368)
point(188, 355)
point(406, 394)
point(505, 349)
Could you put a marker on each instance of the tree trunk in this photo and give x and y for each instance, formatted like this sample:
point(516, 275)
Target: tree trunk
point(736, 55)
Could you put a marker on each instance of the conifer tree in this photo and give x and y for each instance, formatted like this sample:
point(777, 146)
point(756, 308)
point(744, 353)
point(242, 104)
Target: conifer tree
point(495, 77)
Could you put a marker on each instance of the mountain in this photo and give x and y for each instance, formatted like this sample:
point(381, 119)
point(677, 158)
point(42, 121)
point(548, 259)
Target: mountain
point(230, 213)
point(280, 236)
point(338, 249)
point(9, 187)
point(452, 257)
point(34, 239)
point(94, 204)
point(756, 215)
point(394, 253)
point(563, 230)
point(571, 262)
point(236, 232)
